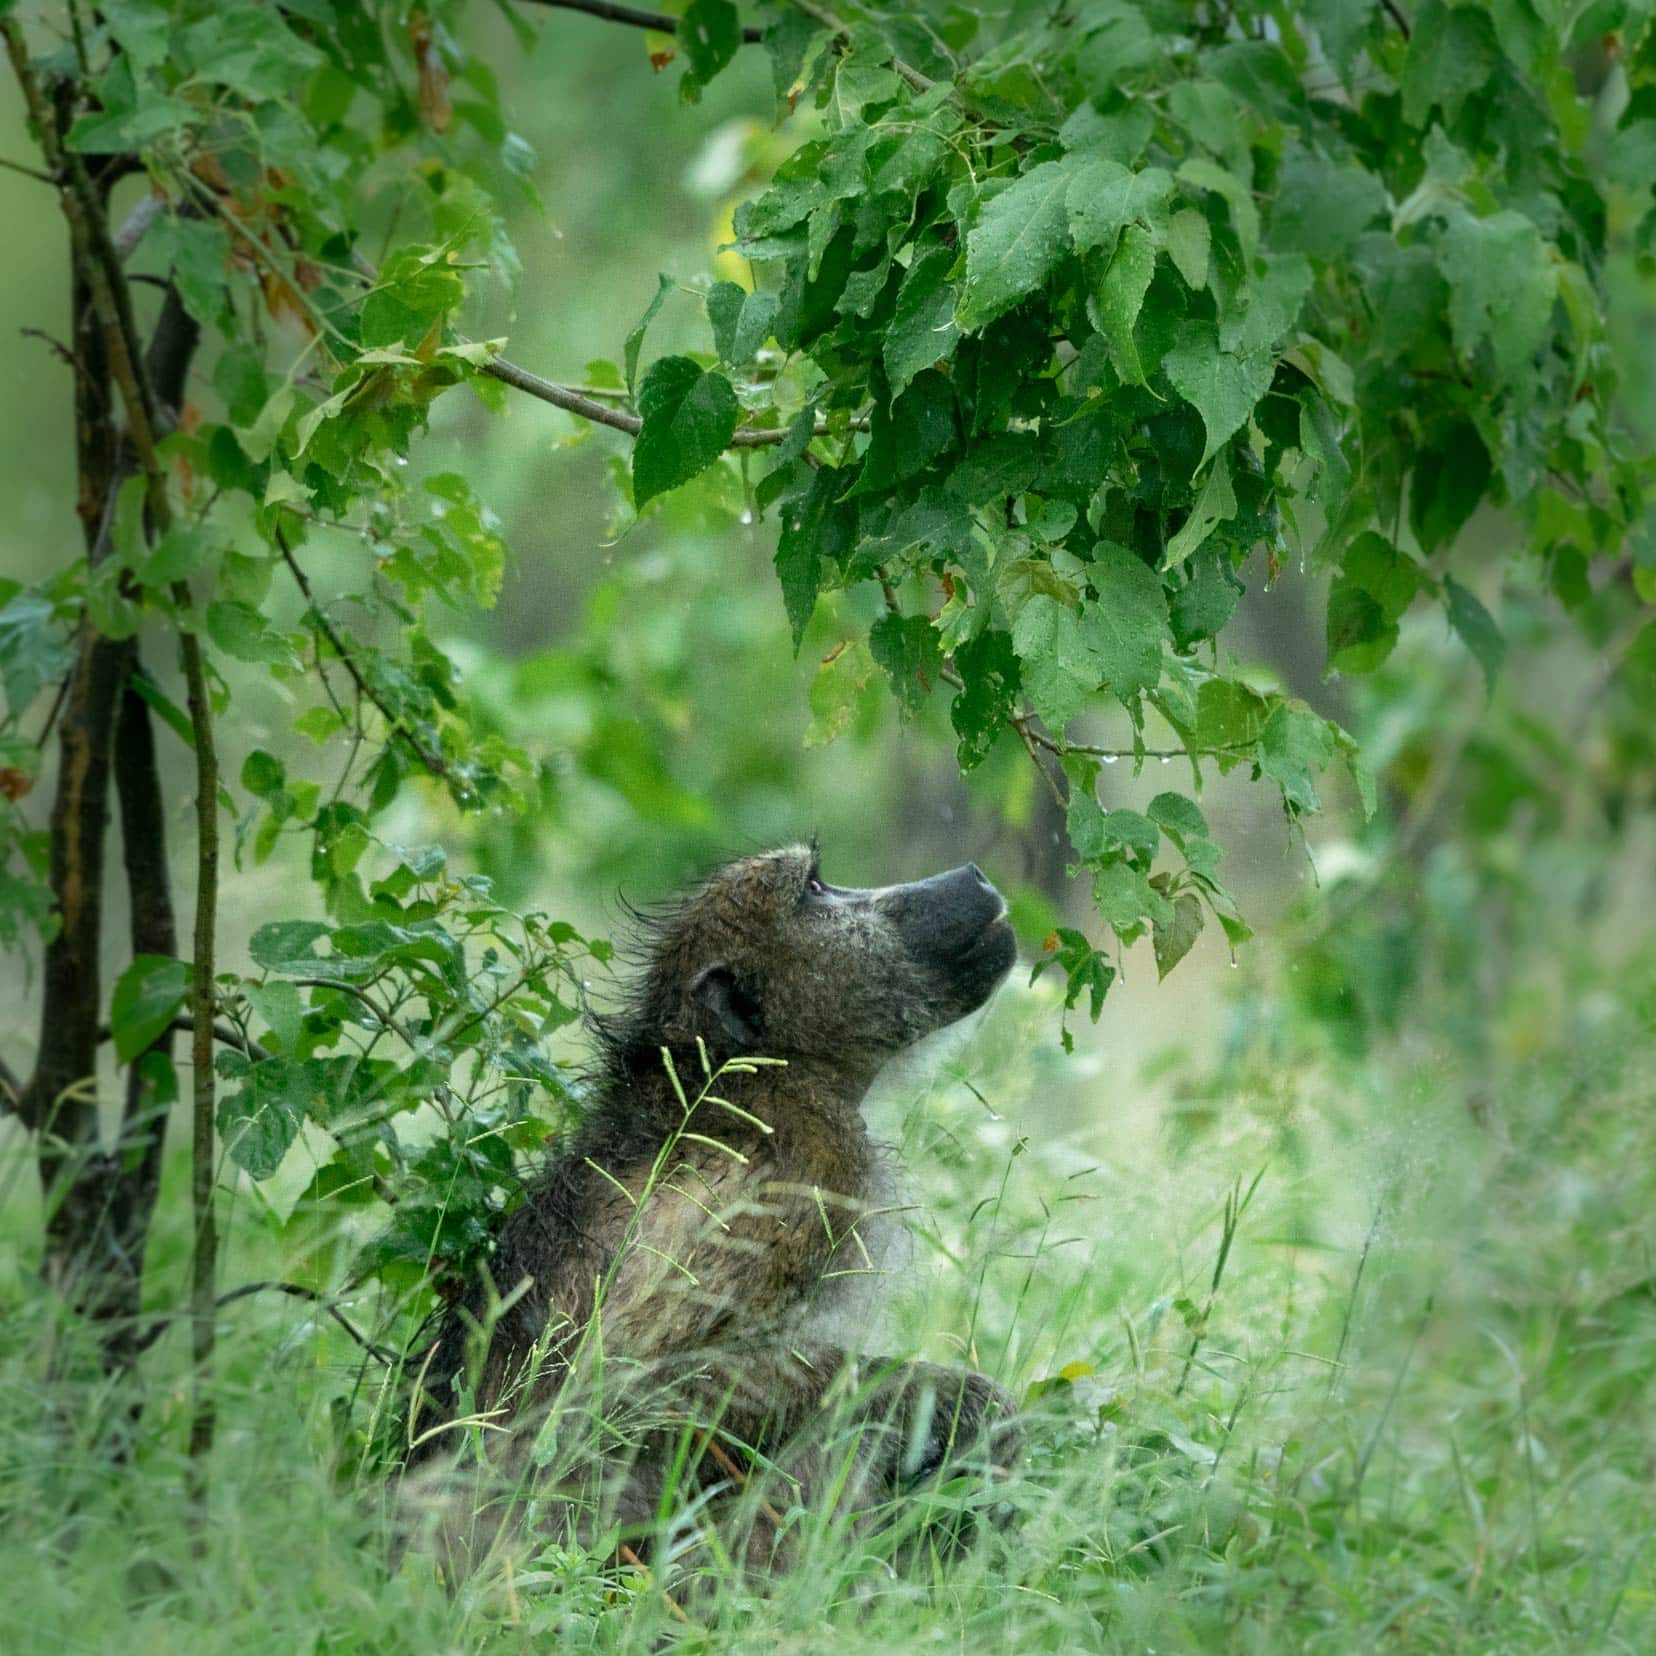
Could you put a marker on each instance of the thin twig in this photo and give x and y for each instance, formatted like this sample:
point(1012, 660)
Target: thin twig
point(433, 762)
point(917, 82)
point(636, 18)
point(617, 419)
point(226, 1033)
point(27, 172)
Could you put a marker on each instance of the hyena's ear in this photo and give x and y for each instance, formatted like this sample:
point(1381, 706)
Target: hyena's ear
point(717, 990)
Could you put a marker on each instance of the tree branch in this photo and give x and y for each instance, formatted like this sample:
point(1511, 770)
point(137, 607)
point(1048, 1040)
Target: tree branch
point(433, 762)
point(223, 1032)
point(560, 396)
point(660, 22)
point(618, 419)
point(27, 172)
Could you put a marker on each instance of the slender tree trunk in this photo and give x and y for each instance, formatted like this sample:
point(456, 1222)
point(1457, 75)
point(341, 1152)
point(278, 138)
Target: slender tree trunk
point(99, 1203)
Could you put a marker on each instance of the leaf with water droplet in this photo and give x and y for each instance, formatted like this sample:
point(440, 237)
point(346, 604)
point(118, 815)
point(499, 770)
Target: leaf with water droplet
point(922, 331)
point(689, 418)
point(1104, 197)
point(1021, 234)
point(1222, 388)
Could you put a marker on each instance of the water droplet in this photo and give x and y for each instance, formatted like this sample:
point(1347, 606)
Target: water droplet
point(1109, 758)
point(747, 517)
point(1235, 964)
point(401, 459)
point(1167, 758)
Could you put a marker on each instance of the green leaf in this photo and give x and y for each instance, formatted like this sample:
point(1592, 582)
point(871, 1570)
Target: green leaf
point(907, 647)
point(1229, 716)
point(1452, 53)
point(635, 340)
point(988, 668)
point(1321, 206)
point(1085, 972)
point(1374, 588)
point(689, 418)
point(1124, 896)
point(179, 553)
point(1222, 388)
point(907, 437)
point(1128, 624)
point(1060, 667)
point(33, 651)
point(1021, 234)
point(278, 1004)
point(1187, 240)
point(710, 32)
point(741, 320)
point(1207, 600)
point(260, 1122)
point(1181, 817)
point(149, 994)
point(1203, 174)
point(240, 631)
point(922, 330)
point(1104, 197)
point(262, 773)
point(1216, 504)
point(1477, 629)
point(1121, 298)
point(416, 289)
point(839, 692)
point(1343, 27)
point(197, 251)
point(131, 114)
point(286, 945)
point(1452, 471)
point(1502, 283)
point(1359, 635)
point(1173, 938)
point(816, 525)
point(1293, 747)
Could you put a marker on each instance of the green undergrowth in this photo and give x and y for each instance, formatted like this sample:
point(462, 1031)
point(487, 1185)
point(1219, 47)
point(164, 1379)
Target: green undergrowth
point(1318, 1356)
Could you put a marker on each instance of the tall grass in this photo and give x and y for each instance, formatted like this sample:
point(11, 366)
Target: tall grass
point(1320, 1360)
